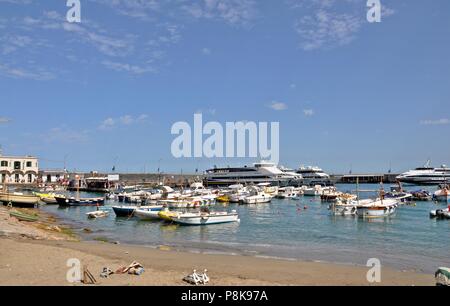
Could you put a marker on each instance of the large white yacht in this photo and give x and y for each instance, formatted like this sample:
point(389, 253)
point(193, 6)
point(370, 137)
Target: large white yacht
point(263, 172)
point(314, 176)
point(426, 175)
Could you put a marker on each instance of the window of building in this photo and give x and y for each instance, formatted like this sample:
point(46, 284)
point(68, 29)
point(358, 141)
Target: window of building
point(17, 178)
point(30, 178)
point(4, 163)
point(17, 165)
point(29, 164)
point(3, 178)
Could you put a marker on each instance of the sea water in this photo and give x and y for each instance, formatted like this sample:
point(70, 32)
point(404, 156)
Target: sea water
point(289, 229)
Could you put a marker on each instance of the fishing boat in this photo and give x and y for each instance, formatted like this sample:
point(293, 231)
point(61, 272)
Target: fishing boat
point(147, 214)
point(340, 208)
point(23, 216)
point(97, 214)
point(19, 199)
point(128, 211)
point(65, 201)
point(376, 208)
point(206, 218)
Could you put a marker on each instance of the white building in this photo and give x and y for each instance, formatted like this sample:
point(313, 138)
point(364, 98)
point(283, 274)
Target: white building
point(18, 169)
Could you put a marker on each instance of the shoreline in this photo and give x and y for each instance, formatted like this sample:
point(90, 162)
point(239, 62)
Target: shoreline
point(50, 250)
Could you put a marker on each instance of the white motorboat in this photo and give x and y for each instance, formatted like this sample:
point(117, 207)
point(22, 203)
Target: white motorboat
point(97, 214)
point(257, 196)
point(313, 191)
point(287, 193)
point(376, 208)
point(206, 218)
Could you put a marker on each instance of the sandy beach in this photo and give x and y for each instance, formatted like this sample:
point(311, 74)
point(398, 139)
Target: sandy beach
point(37, 254)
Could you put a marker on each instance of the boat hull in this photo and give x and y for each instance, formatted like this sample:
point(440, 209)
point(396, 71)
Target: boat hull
point(19, 200)
point(128, 211)
point(206, 220)
point(72, 202)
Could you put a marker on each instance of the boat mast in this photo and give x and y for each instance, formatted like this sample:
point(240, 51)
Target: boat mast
point(357, 189)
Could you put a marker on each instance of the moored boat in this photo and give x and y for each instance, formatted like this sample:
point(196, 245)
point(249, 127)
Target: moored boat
point(442, 195)
point(146, 214)
point(23, 216)
point(128, 211)
point(376, 208)
point(206, 218)
point(65, 201)
point(19, 199)
point(440, 213)
point(97, 214)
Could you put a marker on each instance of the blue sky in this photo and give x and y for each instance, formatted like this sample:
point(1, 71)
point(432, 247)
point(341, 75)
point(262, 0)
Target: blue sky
point(106, 91)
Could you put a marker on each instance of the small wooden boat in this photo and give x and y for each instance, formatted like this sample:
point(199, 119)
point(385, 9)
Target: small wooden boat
point(64, 201)
point(97, 214)
point(145, 214)
point(376, 208)
point(23, 216)
point(340, 208)
point(19, 199)
point(128, 211)
point(206, 218)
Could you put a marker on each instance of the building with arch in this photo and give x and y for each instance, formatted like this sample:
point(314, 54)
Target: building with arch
point(18, 169)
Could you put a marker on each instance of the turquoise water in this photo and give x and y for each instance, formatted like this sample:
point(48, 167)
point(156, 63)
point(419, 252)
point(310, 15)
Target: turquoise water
point(408, 240)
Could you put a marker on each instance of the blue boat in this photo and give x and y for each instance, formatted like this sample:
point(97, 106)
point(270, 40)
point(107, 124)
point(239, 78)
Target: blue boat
point(69, 202)
point(128, 211)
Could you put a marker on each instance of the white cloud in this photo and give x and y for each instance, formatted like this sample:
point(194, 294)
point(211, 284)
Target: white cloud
point(278, 106)
point(4, 120)
point(443, 121)
point(65, 135)
point(327, 29)
point(233, 12)
point(107, 124)
point(330, 23)
point(206, 51)
point(110, 122)
point(134, 69)
point(308, 112)
point(34, 73)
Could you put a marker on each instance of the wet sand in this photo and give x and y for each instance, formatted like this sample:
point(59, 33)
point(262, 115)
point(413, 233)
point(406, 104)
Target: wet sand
point(37, 254)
